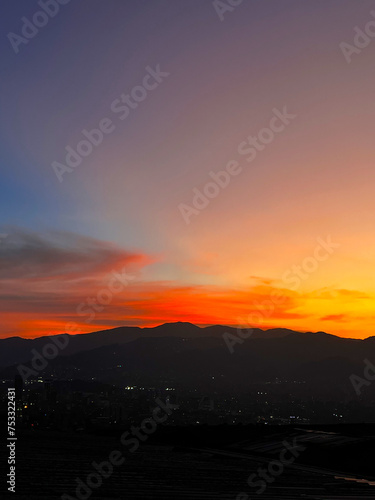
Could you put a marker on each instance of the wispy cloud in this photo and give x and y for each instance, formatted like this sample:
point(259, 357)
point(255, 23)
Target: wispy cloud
point(56, 255)
point(338, 318)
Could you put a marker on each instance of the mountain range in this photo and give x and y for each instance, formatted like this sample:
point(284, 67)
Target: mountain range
point(186, 355)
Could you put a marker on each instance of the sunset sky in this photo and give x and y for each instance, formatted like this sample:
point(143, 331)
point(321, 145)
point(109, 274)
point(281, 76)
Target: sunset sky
point(119, 210)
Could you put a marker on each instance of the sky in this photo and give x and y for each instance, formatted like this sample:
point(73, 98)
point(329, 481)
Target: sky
point(225, 175)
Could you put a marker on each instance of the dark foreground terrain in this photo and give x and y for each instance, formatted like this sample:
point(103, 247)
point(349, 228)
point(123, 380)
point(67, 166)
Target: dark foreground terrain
point(202, 462)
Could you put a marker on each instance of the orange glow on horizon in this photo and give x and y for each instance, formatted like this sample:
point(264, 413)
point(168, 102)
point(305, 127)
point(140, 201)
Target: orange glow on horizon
point(261, 306)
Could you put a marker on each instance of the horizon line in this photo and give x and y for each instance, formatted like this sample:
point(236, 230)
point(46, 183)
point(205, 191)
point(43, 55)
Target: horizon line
point(201, 326)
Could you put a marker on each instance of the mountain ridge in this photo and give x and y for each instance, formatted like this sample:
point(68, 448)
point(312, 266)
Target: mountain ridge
point(18, 350)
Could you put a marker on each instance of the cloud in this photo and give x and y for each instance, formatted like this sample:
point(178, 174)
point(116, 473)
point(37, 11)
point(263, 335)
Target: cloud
point(43, 278)
point(264, 281)
point(338, 318)
point(26, 255)
point(352, 294)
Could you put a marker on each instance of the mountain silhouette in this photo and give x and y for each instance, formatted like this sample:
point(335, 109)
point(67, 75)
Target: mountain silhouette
point(190, 356)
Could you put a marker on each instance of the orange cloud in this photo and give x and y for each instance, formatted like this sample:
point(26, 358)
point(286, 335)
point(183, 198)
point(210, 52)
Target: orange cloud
point(339, 318)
